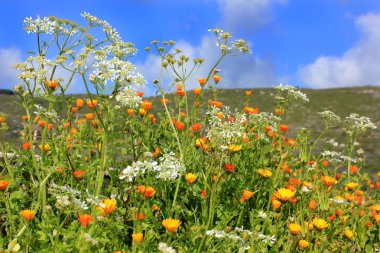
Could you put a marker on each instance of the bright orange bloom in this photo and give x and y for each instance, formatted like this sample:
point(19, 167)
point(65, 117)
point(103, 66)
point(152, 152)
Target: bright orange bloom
point(276, 204)
point(181, 93)
point(157, 152)
point(294, 228)
point(50, 127)
point(108, 205)
point(85, 219)
point(325, 163)
point(147, 105)
point(204, 192)
point(279, 111)
point(42, 123)
point(284, 128)
point(27, 214)
point(164, 101)
point(247, 194)
point(197, 91)
point(46, 147)
point(216, 78)
point(229, 167)
point(320, 224)
point(171, 225)
point(265, 172)
point(53, 84)
point(284, 194)
point(25, 117)
point(291, 141)
point(196, 127)
point(216, 103)
point(89, 116)
point(138, 237)
point(180, 125)
point(303, 244)
point(349, 234)
point(79, 174)
point(248, 93)
point(4, 184)
point(353, 169)
point(92, 103)
point(251, 110)
point(140, 93)
point(149, 192)
point(140, 216)
point(312, 204)
point(202, 81)
point(328, 181)
point(130, 111)
point(179, 86)
point(190, 178)
point(79, 103)
point(26, 146)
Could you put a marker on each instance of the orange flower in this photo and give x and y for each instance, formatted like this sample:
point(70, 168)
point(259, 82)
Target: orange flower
point(180, 125)
point(139, 216)
point(265, 173)
point(27, 214)
point(89, 116)
point(320, 224)
point(179, 86)
point(349, 234)
point(251, 110)
point(108, 205)
point(138, 237)
point(79, 174)
point(171, 225)
point(190, 178)
point(248, 93)
point(85, 219)
point(42, 123)
point(291, 142)
point(294, 228)
point(197, 91)
point(181, 93)
point(202, 81)
point(216, 78)
point(149, 192)
point(303, 244)
point(92, 103)
point(353, 169)
point(196, 127)
point(279, 111)
point(204, 192)
point(312, 204)
point(284, 194)
point(229, 167)
point(26, 146)
point(79, 103)
point(247, 194)
point(147, 105)
point(25, 117)
point(328, 181)
point(130, 111)
point(4, 184)
point(53, 84)
point(164, 101)
point(140, 93)
point(276, 204)
point(284, 128)
point(46, 147)
point(157, 152)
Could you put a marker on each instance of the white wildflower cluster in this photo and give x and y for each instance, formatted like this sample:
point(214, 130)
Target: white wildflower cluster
point(238, 45)
point(267, 238)
point(330, 118)
point(221, 234)
point(163, 247)
point(128, 97)
point(358, 125)
point(32, 68)
point(138, 168)
point(89, 239)
point(337, 157)
point(292, 93)
point(224, 133)
point(39, 25)
point(170, 167)
point(262, 215)
point(43, 112)
point(339, 201)
point(111, 32)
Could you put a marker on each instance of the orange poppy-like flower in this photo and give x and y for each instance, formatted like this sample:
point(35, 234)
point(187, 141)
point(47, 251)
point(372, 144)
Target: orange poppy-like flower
point(247, 194)
point(140, 216)
point(349, 234)
point(180, 125)
point(190, 178)
point(312, 204)
point(50, 127)
point(265, 173)
point(42, 123)
point(279, 111)
point(202, 81)
point(4, 184)
point(181, 93)
point(196, 127)
point(79, 103)
point(89, 116)
point(303, 244)
point(164, 101)
point(92, 103)
point(130, 111)
point(138, 237)
point(147, 105)
point(216, 78)
point(27, 214)
point(328, 181)
point(157, 152)
point(284, 194)
point(204, 193)
point(85, 219)
point(155, 208)
point(276, 204)
point(216, 103)
point(251, 110)
point(149, 192)
point(248, 93)
point(26, 146)
point(53, 84)
point(141, 189)
point(25, 117)
point(353, 169)
point(108, 205)
point(197, 91)
point(171, 225)
point(179, 86)
point(284, 128)
point(375, 208)
point(229, 167)
point(320, 224)
point(294, 228)
point(140, 93)
point(79, 174)
point(291, 142)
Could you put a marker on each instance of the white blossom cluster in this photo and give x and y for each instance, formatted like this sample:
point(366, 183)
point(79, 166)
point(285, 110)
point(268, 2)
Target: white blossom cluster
point(330, 118)
point(170, 167)
point(163, 247)
point(32, 68)
point(111, 32)
point(41, 111)
point(39, 25)
point(222, 42)
point(292, 93)
point(357, 125)
point(234, 237)
point(128, 97)
point(137, 168)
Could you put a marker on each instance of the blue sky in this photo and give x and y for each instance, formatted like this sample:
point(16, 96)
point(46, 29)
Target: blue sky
point(308, 43)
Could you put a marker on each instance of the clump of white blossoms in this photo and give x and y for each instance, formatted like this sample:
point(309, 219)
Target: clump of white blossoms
point(290, 93)
point(170, 167)
point(238, 46)
point(163, 247)
point(231, 235)
point(138, 168)
point(330, 118)
point(38, 25)
point(356, 125)
point(128, 98)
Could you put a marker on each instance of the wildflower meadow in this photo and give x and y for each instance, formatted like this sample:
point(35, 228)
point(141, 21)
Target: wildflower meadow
point(111, 171)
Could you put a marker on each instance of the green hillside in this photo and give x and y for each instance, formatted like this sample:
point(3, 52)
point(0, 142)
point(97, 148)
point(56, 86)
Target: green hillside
point(364, 101)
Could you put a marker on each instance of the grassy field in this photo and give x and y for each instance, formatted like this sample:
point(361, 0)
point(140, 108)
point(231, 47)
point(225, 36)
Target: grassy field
point(364, 100)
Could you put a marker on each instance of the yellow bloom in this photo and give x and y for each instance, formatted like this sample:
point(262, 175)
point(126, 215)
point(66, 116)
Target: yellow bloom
point(13, 246)
point(351, 186)
point(265, 172)
point(199, 142)
point(27, 214)
point(284, 194)
point(375, 208)
point(190, 178)
point(378, 174)
point(303, 244)
point(171, 225)
point(235, 147)
point(138, 237)
point(349, 234)
point(108, 205)
point(294, 228)
point(320, 224)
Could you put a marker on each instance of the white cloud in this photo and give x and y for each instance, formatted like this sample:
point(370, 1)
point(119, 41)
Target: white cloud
point(237, 72)
point(8, 75)
point(357, 66)
point(246, 15)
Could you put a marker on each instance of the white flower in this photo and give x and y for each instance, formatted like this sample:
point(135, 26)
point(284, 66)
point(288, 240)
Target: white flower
point(128, 98)
point(262, 215)
point(163, 247)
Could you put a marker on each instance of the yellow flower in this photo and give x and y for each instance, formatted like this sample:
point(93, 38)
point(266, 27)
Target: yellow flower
point(199, 142)
point(349, 234)
point(320, 224)
point(303, 244)
point(351, 186)
point(171, 225)
point(190, 178)
point(375, 208)
point(27, 214)
point(235, 147)
point(108, 205)
point(13, 246)
point(138, 237)
point(284, 194)
point(378, 174)
point(294, 228)
point(265, 172)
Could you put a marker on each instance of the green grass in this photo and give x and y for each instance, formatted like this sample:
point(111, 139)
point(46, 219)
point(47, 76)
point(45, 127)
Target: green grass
point(362, 100)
